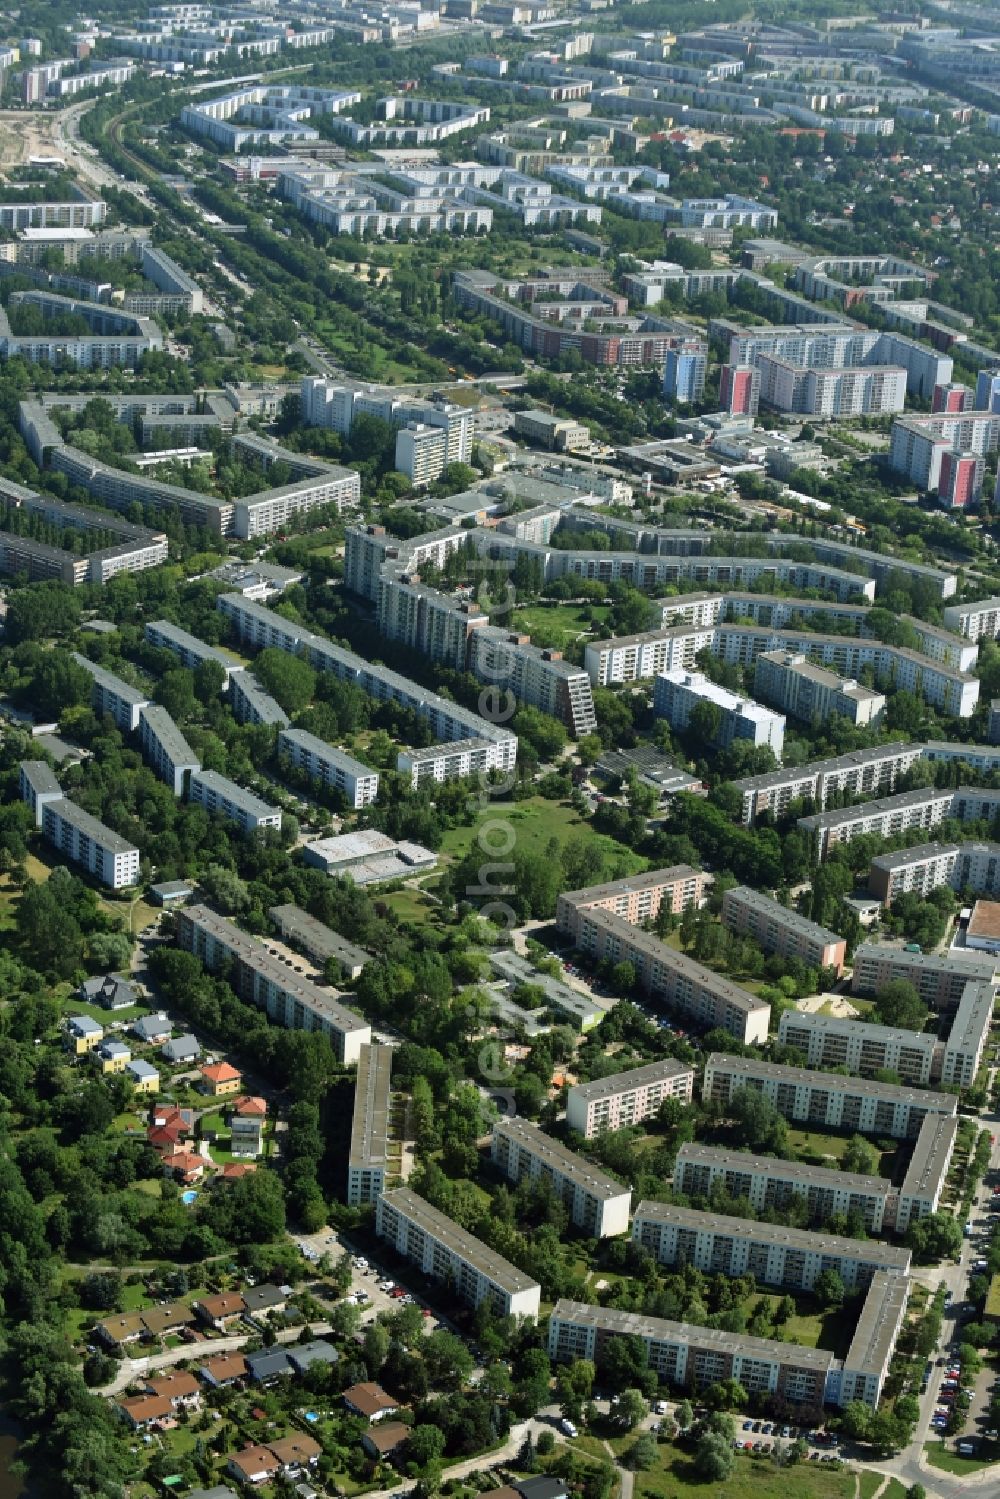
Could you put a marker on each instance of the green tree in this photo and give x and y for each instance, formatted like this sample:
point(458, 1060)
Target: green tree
point(936, 1237)
point(629, 1409)
point(897, 1003)
point(713, 1458)
point(289, 679)
point(859, 1157)
point(829, 1289)
point(760, 1125)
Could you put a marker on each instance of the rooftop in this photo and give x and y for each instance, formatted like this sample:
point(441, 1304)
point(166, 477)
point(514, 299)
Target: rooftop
point(247, 801)
point(313, 745)
point(985, 919)
point(875, 1335)
point(96, 831)
point(632, 884)
point(941, 1103)
point(855, 758)
point(558, 1159)
point(168, 735)
point(866, 1251)
point(788, 918)
point(634, 1077)
point(931, 1155)
point(319, 940)
point(729, 702)
point(473, 1251)
point(820, 1176)
point(844, 816)
point(977, 965)
point(372, 1093)
point(740, 1000)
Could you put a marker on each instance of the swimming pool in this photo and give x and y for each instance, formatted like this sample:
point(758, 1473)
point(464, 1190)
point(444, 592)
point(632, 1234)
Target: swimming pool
point(188, 1197)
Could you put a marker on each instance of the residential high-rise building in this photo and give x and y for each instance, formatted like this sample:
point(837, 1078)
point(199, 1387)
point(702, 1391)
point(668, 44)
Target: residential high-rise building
point(684, 372)
point(739, 389)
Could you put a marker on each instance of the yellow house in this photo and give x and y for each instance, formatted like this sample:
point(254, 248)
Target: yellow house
point(83, 1034)
point(221, 1080)
point(113, 1056)
point(143, 1076)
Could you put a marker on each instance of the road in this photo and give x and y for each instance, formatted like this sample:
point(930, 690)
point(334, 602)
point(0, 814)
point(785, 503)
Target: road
point(138, 1368)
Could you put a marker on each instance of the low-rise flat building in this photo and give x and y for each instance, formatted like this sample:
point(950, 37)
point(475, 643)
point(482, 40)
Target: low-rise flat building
point(983, 931)
point(939, 978)
point(368, 1158)
point(780, 930)
point(636, 898)
point(597, 1204)
point(858, 1105)
point(223, 798)
point(442, 1250)
point(288, 998)
point(773, 1254)
point(368, 857)
point(626, 1098)
point(332, 767)
point(766, 1181)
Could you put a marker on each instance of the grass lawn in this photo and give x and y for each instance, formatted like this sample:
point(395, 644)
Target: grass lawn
point(946, 1458)
point(819, 1141)
point(895, 1489)
point(869, 1483)
point(557, 625)
point(751, 1479)
point(534, 822)
point(410, 905)
point(813, 1328)
point(103, 1017)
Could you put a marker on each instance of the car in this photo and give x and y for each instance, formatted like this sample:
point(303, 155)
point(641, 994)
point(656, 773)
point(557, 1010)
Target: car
point(757, 1425)
point(814, 1457)
point(660, 1408)
point(427, 1311)
point(567, 1427)
point(757, 1446)
point(786, 1431)
point(748, 1426)
point(748, 1446)
point(767, 1447)
point(768, 1428)
point(397, 1293)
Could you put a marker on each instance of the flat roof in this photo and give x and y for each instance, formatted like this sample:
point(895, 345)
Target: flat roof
point(632, 884)
point(679, 963)
point(313, 745)
point(875, 1335)
point(973, 1017)
point(985, 919)
point(849, 761)
point(318, 939)
point(255, 955)
point(111, 683)
point(942, 1103)
point(633, 1077)
point(96, 831)
point(559, 1158)
point(473, 1251)
point(660, 1330)
point(370, 1121)
point(731, 702)
point(843, 816)
point(979, 965)
point(927, 851)
point(793, 920)
point(184, 639)
point(931, 1155)
point(865, 1251)
point(821, 1176)
point(801, 666)
point(518, 969)
point(845, 1025)
point(41, 778)
point(168, 736)
point(238, 795)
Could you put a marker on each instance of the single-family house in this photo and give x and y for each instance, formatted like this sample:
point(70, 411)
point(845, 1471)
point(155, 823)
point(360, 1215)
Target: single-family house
point(268, 1365)
point(248, 1106)
point(246, 1137)
point(225, 1369)
point(253, 1465)
point(167, 1115)
point(370, 1401)
point(182, 1049)
point(113, 1057)
point(219, 1311)
point(186, 1165)
point(146, 1410)
point(233, 1170)
point(83, 1034)
point(110, 991)
point(220, 1079)
point(302, 1356)
point(116, 1332)
point(297, 1450)
point(263, 1299)
point(386, 1440)
point(152, 1030)
point(178, 1386)
point(142, 1075)
point(161, 1321)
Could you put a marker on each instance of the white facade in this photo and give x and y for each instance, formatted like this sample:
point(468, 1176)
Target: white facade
point(627, 1098)
point(221, 796)
point(165, 748)
point(676, 694)
point(597, 1204)
point(330, 766)
point(85, 841)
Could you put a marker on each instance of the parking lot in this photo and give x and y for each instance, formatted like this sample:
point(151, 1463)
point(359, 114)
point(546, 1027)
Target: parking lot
point(373, 1287)
point(757, 1435)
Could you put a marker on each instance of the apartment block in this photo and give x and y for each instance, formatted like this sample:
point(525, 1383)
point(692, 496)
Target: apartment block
point(165, 749)
point(460, 758)
point(677, 693)
point(927, 1171)
point(110, 695)
point(222, 797)
point(781, 930)
point(85, 841)
point(866, 1365)
point(860, 774)
point(445, 1252)
point(425, 620)
point(832, 1041)
point(939, 978)
point(318, 941)
point(683, 985)
point(135, 549)
point(368, 1157)
point(191, 651)
point(766, 1181)
point(637, 898)
point(332, 767)
point(966, 1043)
point(251, 704)
point(803, 690)
point(970, 867)
point(851, 1105)
point(448, 721)
point(630, 658)
point(536, 676)
point(597, 1204)
point(978, 621)
point(694, 1357)
point(38, 786)
point(924, 807)
point(288, 999)
point(626, 1098)
point(776, 1256)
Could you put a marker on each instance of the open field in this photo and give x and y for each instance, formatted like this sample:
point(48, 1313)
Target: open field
point(752, 1479)
point(813, 1328)
point(557, 625)
point(946, 1458)
point(534, 822)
